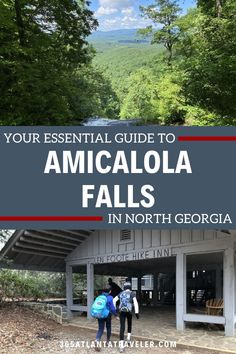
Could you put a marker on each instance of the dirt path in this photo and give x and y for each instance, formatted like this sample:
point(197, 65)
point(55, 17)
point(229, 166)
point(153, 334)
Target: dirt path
point(23, 331)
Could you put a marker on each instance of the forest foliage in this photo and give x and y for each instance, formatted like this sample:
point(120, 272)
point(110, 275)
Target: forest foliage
point(22, 285)
point(191, 79)
point(183, 73)
point(25, 285)
point(46, 77)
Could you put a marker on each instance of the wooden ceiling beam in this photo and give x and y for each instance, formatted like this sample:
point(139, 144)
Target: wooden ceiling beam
point(47, 243)
point(36, 252)
point(24, 245)
point(53, 236)
point(83, 233)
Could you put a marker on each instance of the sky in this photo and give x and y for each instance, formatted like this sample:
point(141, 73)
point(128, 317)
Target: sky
point(124, 14)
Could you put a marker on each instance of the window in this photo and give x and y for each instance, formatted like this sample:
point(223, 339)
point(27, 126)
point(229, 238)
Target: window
point(125, 236)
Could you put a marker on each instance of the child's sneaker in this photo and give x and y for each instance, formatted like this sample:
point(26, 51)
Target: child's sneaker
point(97, 347)
point(108, 344)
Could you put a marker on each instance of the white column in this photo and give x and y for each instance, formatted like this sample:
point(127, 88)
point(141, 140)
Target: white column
point(90, 288)
point(235, 288)
point(155, 284)
point(139, 287)
point(180, 290)
point(218, 283)
point(69, 289)
point(229, 288)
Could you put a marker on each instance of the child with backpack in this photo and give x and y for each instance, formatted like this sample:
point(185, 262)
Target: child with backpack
point(127, 300)
point(103, 309)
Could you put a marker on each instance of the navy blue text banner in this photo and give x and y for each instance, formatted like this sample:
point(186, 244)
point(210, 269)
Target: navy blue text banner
point(118, 177)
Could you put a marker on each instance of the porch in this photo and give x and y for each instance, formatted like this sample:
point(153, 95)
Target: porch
point(206, 269)
point(159, 324)
point(198, 260)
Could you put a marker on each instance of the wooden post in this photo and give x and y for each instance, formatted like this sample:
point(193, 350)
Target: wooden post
point(218, 283)
point(180, 290)
point(90, 288)
point(69, 289)
point(229, 287)
point(155, 284)
point(139, 287)
point(234, 289)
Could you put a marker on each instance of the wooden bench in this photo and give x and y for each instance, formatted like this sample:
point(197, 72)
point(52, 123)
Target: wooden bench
point(214, 307)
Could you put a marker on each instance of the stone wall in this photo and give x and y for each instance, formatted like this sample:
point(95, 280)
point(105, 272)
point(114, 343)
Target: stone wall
point(56, 312)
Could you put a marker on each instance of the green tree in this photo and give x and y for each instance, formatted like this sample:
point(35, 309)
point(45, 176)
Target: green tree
point(213, 7)
point(207, 44)
point(170, 105)
point(140, 96)
point(164, 13)
point(5, 235)
point(16, 285)
point(91, 94)
point(42, 44)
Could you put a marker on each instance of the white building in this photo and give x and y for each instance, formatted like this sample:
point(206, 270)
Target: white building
point(186, 265)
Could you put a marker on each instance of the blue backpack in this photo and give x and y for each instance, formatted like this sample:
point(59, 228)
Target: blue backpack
point(126, 301)
point(99, 308)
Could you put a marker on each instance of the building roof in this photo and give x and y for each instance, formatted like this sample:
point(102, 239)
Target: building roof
point(42, 250)
point(46, 250)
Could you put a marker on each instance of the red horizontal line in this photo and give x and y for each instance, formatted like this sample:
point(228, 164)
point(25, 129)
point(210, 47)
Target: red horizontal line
point(51, 218)
point(207, 138)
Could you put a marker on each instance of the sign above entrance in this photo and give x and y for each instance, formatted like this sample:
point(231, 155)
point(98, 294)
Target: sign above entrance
point(133, 256)
point(118, 177)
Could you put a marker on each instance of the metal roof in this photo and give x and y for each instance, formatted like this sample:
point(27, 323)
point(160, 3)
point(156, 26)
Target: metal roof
point(42, 250)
